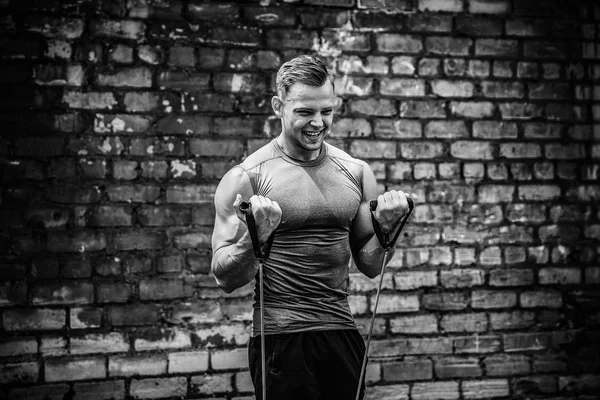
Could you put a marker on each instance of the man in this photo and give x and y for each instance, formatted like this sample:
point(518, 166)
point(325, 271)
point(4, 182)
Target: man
point(316, 199)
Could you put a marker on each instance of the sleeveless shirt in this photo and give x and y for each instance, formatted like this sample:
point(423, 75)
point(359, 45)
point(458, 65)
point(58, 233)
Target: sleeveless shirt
point(306, 274)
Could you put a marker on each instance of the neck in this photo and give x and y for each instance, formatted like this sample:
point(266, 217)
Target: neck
point(296, 154)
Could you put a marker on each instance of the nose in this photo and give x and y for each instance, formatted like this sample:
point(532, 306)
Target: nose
point(317, 121)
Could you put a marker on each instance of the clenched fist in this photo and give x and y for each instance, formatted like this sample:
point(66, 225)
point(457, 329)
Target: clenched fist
point(391, 207)
point(267, 215)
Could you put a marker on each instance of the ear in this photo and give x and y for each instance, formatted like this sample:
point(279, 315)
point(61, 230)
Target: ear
point(277, 105)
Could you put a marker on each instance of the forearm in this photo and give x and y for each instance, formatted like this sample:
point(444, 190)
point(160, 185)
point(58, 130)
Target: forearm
point(370, 257)
point(235, 265)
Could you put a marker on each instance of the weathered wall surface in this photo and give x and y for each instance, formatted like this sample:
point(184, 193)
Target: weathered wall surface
point(119, 117)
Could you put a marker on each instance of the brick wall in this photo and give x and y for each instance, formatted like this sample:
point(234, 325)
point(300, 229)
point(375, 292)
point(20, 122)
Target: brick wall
point(119, 117)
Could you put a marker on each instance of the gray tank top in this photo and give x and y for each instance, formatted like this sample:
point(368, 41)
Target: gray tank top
point(306, 274)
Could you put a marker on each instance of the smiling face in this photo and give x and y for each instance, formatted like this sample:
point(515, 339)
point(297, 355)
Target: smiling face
point(306, 114)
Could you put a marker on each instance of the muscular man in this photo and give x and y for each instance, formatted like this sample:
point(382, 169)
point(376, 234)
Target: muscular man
point(316, 199)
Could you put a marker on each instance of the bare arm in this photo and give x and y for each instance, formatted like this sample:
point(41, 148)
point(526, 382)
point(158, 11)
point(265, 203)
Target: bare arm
point(367, 252)
point(233, 263)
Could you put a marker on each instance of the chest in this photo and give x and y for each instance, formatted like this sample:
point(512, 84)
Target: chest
point(324, 195)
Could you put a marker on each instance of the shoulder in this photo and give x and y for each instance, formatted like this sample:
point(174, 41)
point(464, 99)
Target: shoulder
point(341, 156)
point(263, 154)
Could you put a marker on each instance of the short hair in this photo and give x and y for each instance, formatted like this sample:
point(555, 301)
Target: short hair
point(303, 69)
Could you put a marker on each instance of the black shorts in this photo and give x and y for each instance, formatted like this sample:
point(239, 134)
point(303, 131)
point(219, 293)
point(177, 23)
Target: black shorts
point(322, 365)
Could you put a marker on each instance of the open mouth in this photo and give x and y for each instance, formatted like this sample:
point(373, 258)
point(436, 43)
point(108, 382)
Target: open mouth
point(313, 134)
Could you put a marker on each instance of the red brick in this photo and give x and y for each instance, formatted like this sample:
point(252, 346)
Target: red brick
point(125, 123)
point(397, 128)
point(351, 127)
point(281, 16)
point(138, 193)
point(89, 100)
point(140, 102)
point(212, 12)
point(455, 67)
point(161, 289)
point(445, 45)
point(533, 299)
point(421, 150)
point(39, 392)
point(13, 293)
point(487, 299)
point(99, 343)
point(412, 346)
point(139, 240)
point(76, 241)
point(186, 81)
point(501, 89)
point(488, 388)
point(190, 193)
point(373, 149)
point(154, 388)
point(118, 292)
point(520, 150)
point(137, 365)
point(520, 342)
point(473, 150)
point(154, 169)
point(433, 214)
point(445, 301)
point(11, 347)
point(410, 369)
point(393, 303)
point(133, 315)
point(445, 88)
point(496, 47)
point(96, 390)
point(60, 369)
point(446, 129)
point(67, 293)
point(447, 390)
point(22, 372)
point(505, 365)
point(188, 361)
point(110, 216)
point(423, 108)
point(538, 192)
point(478, 25)
point(192, 239)
point(212, 383)
point(349, 41)
point(545, 49)
point(33, 319)
point(441, 5)
point(477, 344)
point(472, 109)
point(396, 43)
point(549, 363)
point(429, 22)
point(457, 367)
point(161, 338)
point(458, 278)
point(82, 318)
point(469, 322)
point(561, 276)
point(512, 320)
point(288, 39)
point(414, 324)
point(125, 29)
point(373, 107)
point(55, 27)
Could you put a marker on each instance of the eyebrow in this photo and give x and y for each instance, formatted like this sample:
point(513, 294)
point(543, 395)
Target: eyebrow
point(311, 109)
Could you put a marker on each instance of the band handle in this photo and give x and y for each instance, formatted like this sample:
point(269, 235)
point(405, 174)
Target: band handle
point(261, 253)
point(383, 236)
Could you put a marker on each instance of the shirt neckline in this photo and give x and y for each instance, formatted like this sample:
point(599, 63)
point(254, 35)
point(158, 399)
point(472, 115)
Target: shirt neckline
point(295, 161)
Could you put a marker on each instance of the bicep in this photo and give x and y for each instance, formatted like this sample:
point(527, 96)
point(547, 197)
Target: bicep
point(362, 228)
point(228, 228)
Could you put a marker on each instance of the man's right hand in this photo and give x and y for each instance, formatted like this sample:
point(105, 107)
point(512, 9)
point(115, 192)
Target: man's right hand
point(267, 215)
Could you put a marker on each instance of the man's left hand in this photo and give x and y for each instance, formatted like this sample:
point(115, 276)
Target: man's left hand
point(391, 207)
